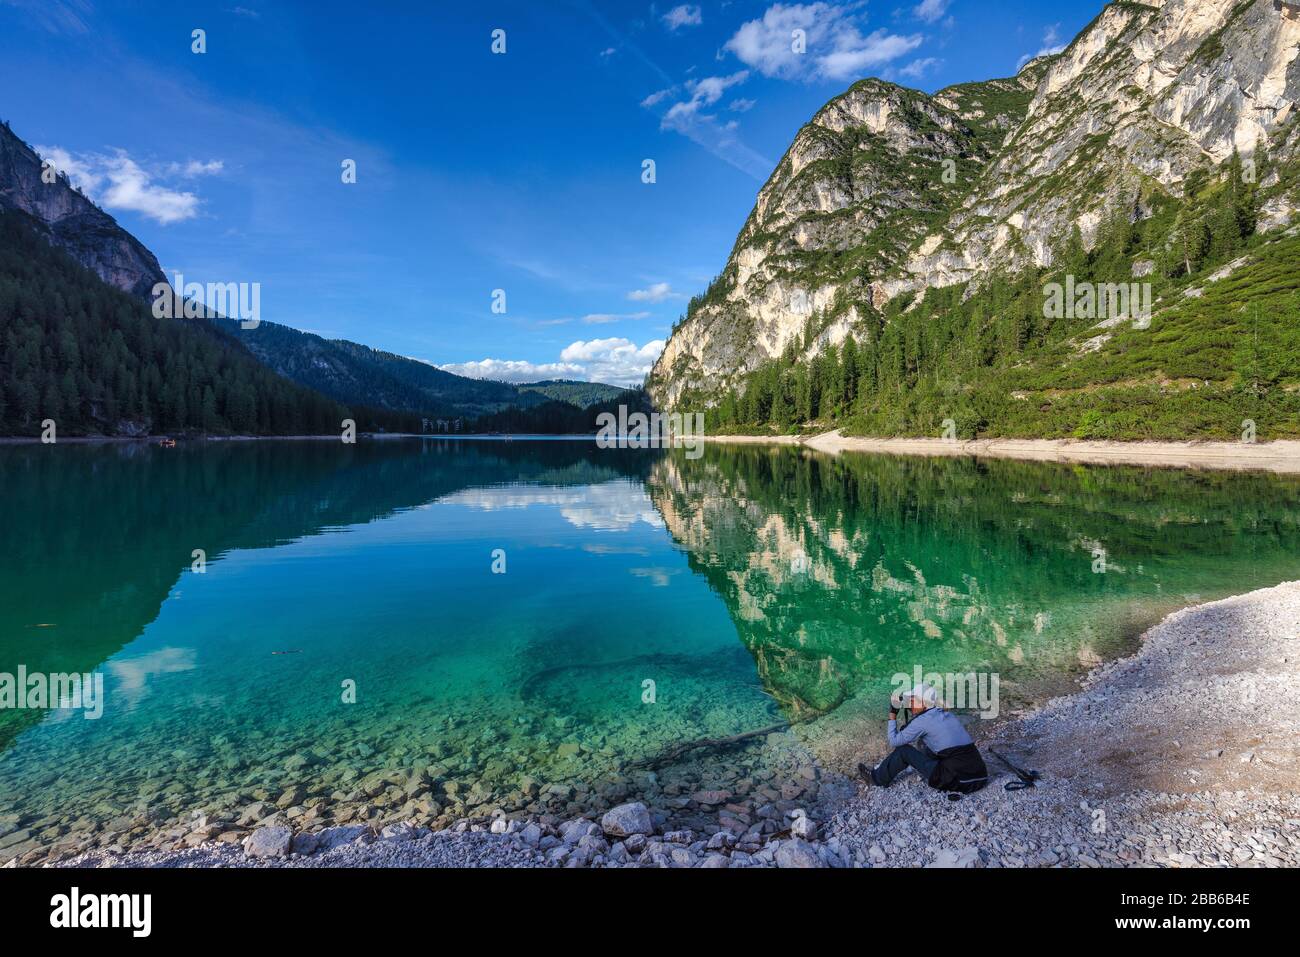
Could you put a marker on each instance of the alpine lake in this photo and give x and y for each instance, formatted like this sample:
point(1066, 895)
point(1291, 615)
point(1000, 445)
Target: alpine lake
point(438, 629)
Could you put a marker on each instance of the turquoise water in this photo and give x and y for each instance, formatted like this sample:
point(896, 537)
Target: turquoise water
point(749, 587)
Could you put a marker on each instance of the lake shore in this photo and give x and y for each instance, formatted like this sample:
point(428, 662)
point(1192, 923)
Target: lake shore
point(1282, 457)
point(330, 437)
point(1180, 755)
point(157, 439)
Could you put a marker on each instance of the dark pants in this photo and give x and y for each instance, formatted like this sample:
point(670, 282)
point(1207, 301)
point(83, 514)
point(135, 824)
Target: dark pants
point(899, 760)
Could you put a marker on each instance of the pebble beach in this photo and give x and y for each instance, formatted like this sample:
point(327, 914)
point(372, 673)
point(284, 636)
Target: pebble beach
point(1183, 754)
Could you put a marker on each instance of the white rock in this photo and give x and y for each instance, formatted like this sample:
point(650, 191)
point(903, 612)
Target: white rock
point(946, 857)
point(403, 831)
point(804, 828)
point(571, 832)
point(269, 842)
point(797, 853)
point(627, 819)
point(332, 837)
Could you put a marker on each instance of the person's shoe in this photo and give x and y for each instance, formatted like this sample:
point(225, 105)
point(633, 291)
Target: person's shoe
point(868, 775)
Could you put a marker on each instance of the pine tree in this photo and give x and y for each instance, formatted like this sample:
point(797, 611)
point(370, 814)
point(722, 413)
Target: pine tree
point(1074, 257)
point(1259, 353)
point(1190, 239)
point(849, 373)
point(1225, 233)
point(816, 385)
point(781, 411)
point(1245, 198)
point(727, 412)
point(833, 384)
point(802, 394)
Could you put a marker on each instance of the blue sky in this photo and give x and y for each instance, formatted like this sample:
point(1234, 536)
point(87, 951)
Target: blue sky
point(476, 171)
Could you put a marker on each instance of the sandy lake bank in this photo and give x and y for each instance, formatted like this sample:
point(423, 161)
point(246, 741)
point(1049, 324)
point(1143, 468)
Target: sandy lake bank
point(1281, 457)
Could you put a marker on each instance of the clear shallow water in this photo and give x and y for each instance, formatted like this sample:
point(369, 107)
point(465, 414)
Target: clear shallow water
point(750, 586)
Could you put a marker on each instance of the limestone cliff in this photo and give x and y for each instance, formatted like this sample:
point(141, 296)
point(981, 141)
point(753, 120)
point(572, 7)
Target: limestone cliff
point(890, 191)
point(70, 221)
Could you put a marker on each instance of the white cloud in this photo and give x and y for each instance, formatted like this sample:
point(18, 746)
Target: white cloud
point(931, 11)
point(658, 292)
point(685, 15)
point(82, 174)
point(742, 106)
point(195, 168)
point(690, 118)
point(120, 183)
point(918, 68)
point(767, 44)
point(1052, 45)
point(836, 48)
point(615, 361)
point(56, 16)
point(710, 89)
point(704, 93)
point(656, 98)
point(866, 53)
point(513, 370)
point(599, 318)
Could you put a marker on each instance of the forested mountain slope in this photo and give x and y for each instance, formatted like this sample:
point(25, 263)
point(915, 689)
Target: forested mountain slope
point(95, 360)
point(897, 269)
point(353, 373)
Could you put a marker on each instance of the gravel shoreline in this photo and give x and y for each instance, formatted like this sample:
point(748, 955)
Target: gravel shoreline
point(1184, 754)
point(1281, 457)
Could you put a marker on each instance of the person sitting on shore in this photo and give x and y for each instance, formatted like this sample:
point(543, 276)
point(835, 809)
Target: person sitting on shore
point(934, 743)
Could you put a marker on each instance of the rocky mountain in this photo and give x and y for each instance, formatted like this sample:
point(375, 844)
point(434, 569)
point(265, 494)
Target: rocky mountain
point(70, 221)
point(889, 192)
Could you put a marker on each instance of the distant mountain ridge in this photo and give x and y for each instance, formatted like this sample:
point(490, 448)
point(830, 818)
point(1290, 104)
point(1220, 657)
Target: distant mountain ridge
point(580, 394)
point(352, 373)
point(346, 372)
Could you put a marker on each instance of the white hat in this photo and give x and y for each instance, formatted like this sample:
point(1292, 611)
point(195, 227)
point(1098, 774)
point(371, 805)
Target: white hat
point(926, 695)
